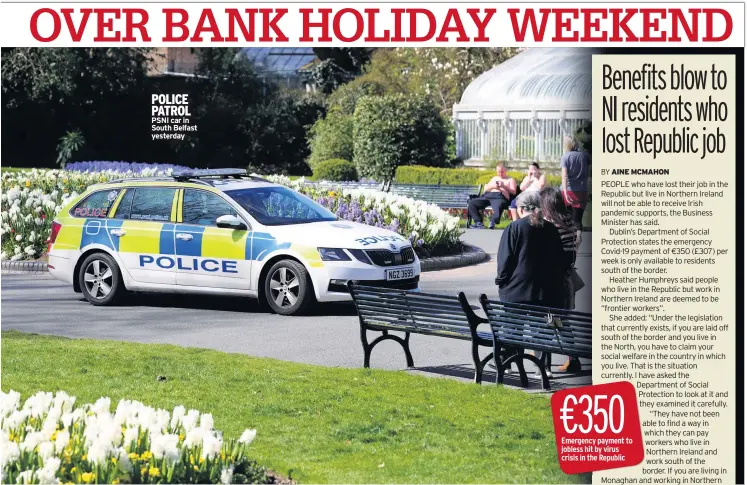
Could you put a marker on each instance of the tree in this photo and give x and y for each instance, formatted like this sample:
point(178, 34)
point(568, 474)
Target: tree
point(337, 66)
point(98, 93)
point(76, 76)
point(345, 98)
point(245, 121)
point(331, 138)
point(440, 74)
point(395, 130)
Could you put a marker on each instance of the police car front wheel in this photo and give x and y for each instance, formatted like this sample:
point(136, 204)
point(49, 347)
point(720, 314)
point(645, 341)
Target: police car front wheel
point(288, 287)
point(100, 279)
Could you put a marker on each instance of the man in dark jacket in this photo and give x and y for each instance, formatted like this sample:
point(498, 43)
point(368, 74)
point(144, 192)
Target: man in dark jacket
point(530, 258)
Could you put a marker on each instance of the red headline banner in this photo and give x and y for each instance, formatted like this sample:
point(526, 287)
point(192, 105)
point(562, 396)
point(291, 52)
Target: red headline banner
point(160, 24)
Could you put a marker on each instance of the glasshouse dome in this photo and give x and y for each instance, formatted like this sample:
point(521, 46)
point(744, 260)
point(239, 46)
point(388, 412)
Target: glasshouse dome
point(523, 108)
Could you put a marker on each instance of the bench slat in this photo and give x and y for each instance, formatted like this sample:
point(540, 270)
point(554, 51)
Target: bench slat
point(529, 320)
point(525, 326)
point(571, 339)
point(406, 306)
point(535, 310)
point(510, 323)
point(420, 319)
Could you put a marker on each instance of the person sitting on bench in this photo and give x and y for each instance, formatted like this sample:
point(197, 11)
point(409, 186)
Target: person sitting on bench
point(535, 180)
point(497, 194)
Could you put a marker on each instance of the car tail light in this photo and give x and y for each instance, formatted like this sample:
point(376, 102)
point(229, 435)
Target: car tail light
point(56, 226)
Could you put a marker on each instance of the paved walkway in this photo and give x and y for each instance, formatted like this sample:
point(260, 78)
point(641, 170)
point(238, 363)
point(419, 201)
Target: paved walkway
point(330, 336)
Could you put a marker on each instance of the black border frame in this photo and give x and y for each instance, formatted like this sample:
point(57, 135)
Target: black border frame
point(738, 54)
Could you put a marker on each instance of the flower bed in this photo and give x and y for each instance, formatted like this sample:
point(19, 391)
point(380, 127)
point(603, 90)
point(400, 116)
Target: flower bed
point(431, 229)
point(139, 168)
point(31, 199)
point(51, 439)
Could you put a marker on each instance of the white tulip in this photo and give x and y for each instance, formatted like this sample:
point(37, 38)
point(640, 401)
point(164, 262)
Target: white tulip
point(226, 475)
point(61, 441)
point(248, 436)
point(211, 446)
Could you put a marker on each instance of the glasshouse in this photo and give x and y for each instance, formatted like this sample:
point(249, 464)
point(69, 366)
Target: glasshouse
point(523, 108)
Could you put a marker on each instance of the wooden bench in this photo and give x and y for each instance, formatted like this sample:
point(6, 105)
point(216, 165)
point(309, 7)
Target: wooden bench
point(444, 196)
point(385, 310)
point(516, 328)
point(346, 185)
point(489, 209)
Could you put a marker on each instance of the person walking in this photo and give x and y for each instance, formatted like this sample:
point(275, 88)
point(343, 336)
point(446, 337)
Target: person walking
point(554, 211)
point(574, 165)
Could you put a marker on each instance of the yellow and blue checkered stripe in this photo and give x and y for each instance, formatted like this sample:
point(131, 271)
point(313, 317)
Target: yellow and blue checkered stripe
point(146, 237)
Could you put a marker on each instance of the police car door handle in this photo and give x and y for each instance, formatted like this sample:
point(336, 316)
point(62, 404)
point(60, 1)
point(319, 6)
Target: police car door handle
point(117, 232)
point(183, 237)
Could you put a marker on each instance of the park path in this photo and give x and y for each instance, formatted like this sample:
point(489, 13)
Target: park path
point(330, 336)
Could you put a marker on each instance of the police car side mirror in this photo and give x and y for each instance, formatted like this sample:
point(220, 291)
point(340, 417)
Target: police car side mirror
point(230, 222)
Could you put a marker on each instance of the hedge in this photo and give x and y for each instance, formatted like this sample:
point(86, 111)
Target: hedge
point(418, 174)
point(331, 138)
point(336, 170)
point(550, 180)
point(396, 130)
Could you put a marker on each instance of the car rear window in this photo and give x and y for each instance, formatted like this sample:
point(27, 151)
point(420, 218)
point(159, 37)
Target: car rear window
point(152, 204)
point(97, 204)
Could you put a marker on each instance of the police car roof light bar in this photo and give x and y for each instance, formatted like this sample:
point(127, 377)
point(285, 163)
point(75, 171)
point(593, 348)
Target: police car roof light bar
point(214, 172)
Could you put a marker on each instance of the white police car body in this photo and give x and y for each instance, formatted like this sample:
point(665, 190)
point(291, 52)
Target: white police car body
point(220, 232)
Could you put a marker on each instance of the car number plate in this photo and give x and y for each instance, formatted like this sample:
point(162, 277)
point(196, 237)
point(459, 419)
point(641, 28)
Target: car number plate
point(399, 274)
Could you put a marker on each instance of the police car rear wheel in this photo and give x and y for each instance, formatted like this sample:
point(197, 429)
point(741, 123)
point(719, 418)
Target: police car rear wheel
point(100, 279)
point(287, 288)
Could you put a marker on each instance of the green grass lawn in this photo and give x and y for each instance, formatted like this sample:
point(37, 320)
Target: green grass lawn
point(317, 424)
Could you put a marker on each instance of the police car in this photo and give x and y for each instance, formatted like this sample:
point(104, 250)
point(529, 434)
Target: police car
point(220, 232)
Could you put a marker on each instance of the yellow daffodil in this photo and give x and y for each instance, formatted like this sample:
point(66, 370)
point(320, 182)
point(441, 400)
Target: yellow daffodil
point(154, 472)
point(202, 460)
point(146, 455)
point(195, 468)
point(115, 481)
point(143, 471)
point(133, 456)
point(73, 470)
point(191, 459)
point(87, 477)
point(114, 460)
point(84, 457)
point(181, 436)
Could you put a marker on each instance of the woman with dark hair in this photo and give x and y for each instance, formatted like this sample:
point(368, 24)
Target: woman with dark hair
point(535, 180)
point(555, 211)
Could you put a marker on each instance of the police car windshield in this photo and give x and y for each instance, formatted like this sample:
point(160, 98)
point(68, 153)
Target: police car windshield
point(278, 206)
